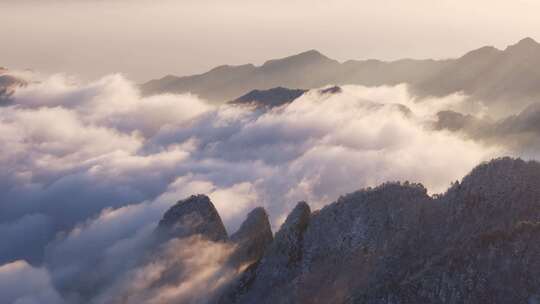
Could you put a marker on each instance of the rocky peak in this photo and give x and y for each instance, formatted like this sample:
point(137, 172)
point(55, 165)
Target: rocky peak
point(279, 266)
point(500, 181)
point(476, 243)
point(252, 238)
point(192, 216)
point(286, 250)
point(224, 69)
point(311, 57)
point(368, 219)
point(480, 56)
point(524, 45)
point(493, 197)
point(296, 222)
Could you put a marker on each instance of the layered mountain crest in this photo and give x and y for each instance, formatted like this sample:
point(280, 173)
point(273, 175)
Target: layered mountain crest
point(493, 76)
point(307, 70)
point(477, 243)
point(304, 59)
point(524, 45)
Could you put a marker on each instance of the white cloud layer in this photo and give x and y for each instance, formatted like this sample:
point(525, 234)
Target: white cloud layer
point(88, 169)
point(21, 283)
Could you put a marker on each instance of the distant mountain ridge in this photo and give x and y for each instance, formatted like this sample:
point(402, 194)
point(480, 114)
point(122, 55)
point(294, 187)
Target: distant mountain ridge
point(306, 70)
point(489, 74)
point(492, 75)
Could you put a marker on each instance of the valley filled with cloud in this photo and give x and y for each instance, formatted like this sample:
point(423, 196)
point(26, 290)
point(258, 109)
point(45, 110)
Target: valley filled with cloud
point(89, 168)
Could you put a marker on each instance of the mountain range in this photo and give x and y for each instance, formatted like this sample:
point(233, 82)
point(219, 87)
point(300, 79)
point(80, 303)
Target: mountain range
point(496, 77)
point(479, 242)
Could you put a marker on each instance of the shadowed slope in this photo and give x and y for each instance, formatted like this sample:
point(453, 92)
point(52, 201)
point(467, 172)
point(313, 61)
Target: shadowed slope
point(477, 243)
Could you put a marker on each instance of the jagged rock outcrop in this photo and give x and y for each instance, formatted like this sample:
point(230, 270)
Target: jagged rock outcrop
point(285, 253)
point(195, 221)
point(251, 241)
point(279, 266)
point(252, 238)
point(195, 215)
point(394, 244)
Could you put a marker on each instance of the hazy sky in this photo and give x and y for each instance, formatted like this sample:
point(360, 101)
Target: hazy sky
point(148, 39)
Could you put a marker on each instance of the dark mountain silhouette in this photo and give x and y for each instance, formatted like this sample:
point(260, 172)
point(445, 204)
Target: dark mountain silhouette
point(269, 98)
point(519, 132)
point(477, 243)
point(275, 97)
point(8, 84)
point(494, 76)
point(306, 70)
point(511, 76)
point(195, 215)
point(310, 69)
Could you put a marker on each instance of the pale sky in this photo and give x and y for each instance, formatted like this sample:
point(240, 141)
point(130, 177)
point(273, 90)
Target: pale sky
point(147, 39)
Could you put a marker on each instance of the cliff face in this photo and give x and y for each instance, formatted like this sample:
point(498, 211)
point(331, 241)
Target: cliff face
point(477, 243)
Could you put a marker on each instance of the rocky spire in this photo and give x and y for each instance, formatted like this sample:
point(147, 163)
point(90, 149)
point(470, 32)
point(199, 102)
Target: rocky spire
point(280, 264)
point(286, 250)
point(192, 216)
point(289, 237)
point(252, 238)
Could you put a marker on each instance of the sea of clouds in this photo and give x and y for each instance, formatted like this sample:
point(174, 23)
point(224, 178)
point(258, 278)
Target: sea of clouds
point(88, 169)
